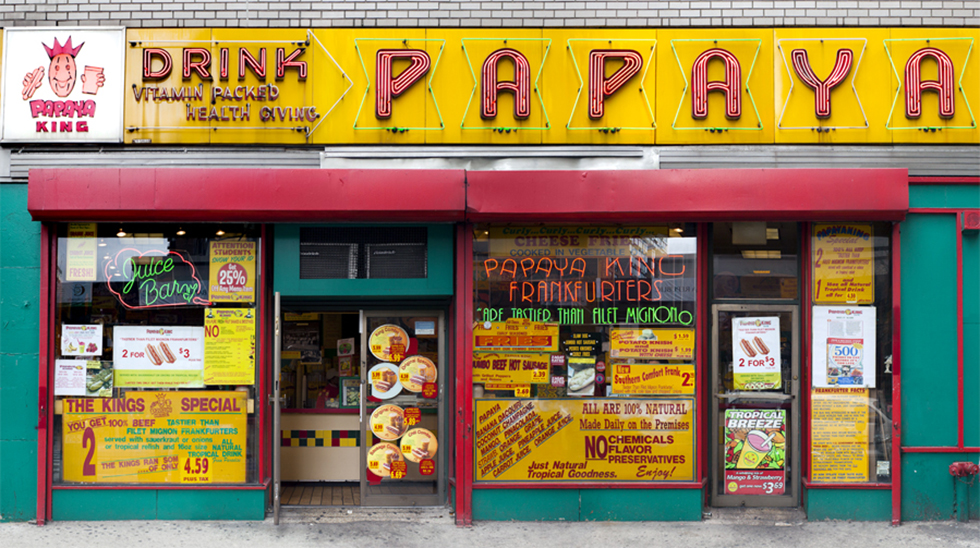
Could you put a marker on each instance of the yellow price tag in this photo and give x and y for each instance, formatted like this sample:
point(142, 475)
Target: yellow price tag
point(539, 375)
point(522, 391)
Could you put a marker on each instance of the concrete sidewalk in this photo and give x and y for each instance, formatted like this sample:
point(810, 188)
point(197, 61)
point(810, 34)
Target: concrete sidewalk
point(428, 528)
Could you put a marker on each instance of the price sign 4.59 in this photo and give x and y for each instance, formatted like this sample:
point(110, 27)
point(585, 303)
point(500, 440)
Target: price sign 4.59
point(196, 470)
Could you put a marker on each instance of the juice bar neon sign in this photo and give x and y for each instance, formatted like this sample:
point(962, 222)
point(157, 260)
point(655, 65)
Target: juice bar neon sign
point(154, 279)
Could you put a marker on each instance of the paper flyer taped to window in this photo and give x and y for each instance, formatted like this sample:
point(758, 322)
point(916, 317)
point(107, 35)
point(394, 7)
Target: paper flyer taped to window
point(844, 342)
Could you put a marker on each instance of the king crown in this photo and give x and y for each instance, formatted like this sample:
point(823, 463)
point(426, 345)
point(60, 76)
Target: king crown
point(60, 49)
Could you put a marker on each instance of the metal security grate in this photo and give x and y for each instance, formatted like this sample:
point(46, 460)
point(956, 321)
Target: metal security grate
point(365, 252)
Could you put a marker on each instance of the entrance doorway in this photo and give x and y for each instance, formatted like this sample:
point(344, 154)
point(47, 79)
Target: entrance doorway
point(360, 407)
point(754, 375)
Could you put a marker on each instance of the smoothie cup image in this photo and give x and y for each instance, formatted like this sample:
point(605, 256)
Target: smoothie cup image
point(757, 445)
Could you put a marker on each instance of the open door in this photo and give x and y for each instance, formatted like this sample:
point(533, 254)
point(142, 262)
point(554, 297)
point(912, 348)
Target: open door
point(276, 410)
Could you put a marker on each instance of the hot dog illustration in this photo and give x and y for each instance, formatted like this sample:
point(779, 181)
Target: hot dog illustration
point(167, 354)
point(31, 82)
point(761, 345)
point(747, 348)
point(153, 355)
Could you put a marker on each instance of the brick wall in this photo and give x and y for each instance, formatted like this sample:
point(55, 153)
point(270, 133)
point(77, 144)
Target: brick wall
point(585, 13)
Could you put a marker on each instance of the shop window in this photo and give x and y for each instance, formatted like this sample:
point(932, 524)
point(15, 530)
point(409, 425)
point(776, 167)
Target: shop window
point(851, 380)
point(755, 260)
point(584, 353)
point(155, 354)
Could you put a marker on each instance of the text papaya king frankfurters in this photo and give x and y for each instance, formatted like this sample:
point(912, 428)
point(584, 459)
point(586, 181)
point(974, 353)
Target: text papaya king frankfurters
point(167, 354)
point(761, 345)
point(153, 355)
point(747, 348)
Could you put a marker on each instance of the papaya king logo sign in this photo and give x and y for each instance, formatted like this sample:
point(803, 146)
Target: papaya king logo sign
point(63, 85)
point(153, 279)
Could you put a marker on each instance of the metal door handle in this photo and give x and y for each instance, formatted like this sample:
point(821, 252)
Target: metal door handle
point(755, 396)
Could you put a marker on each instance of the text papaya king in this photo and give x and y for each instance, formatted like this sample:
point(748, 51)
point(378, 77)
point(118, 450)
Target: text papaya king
point(210, 404)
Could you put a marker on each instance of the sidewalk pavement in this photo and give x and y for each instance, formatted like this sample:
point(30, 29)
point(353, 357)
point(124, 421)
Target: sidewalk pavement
point(434, 528)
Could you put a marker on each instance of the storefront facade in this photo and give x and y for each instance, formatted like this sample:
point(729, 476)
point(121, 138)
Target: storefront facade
point(537, 294)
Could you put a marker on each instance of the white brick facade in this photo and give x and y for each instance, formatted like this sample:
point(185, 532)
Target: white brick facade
point(503, 13)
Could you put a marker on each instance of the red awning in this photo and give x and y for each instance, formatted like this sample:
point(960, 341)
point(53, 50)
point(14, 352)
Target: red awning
point(323, 195)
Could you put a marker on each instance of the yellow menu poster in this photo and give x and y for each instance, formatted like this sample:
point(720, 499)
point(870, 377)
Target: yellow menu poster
point(843, 263)
point(840, 430)
point(511, 368)
point(229, 346)
point(652, 379)
point(585, 440)
point(156, 437)
point(81, 254)
point(646, 344)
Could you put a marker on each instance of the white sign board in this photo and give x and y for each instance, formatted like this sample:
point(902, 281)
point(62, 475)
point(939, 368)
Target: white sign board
point(844, 342)
point(63, 84)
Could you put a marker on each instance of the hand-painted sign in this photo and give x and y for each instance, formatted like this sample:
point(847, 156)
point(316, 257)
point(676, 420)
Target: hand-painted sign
point(156, 437)
point(585, 440)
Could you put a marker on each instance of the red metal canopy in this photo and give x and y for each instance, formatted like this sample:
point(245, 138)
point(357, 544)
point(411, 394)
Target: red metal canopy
point(246, 195)
point(689, 195)
point(323, 195)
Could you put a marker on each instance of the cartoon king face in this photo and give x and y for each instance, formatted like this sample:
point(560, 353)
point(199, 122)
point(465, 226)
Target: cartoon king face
point(62, 71)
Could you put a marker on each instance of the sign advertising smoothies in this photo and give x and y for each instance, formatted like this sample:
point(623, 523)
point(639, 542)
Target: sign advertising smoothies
point(755, 451)
point(232, 272)
point(229, 346)
point(585, 440)
point(148, 356)
point(156, 437)
point(755, 353)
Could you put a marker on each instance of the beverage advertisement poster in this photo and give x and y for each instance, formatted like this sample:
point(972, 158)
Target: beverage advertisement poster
point(843, 263)
point(81, 340)
point(755, 353)
point(755, 451)
point(844, 342)
point(585, 440)
point(651, 343)
point(232, 272)
point(148, 356)
point(229, 346)
point(80, 254)
point(63, 85)
point(156, 437)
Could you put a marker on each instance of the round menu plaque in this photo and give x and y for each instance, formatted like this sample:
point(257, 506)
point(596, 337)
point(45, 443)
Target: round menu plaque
point(388, 422)
point(389, 343)
point(419, 444)
point(416, 371)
